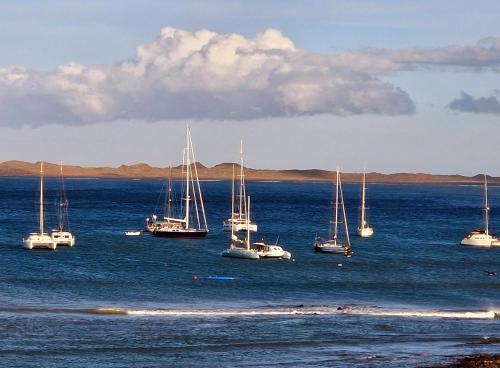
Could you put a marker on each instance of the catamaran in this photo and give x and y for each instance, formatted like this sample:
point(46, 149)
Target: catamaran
point(239, 219)
point(240, 248)
point(336, 244)
point(364, 229)
point(184, 227)
point(482, 238)
point(40, 239)
point(62, 235)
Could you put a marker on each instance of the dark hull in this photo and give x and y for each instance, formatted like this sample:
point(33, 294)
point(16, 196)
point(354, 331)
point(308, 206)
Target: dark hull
point(191, 234)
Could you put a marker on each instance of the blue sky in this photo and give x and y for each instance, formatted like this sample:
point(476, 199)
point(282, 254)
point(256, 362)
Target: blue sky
point(349, 83)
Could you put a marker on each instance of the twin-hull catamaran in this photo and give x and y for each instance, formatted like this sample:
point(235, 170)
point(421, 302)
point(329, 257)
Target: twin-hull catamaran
point(238, 220)
point(184, 227)
point(62, 235)
point(482, 238)
point(335, 244)
point(40, 239)
point(364, 229)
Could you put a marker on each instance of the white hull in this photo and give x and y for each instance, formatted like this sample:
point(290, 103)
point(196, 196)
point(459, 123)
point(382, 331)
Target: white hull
point(333, 248)
point(39, 241)
point(495, 243)
point(479, 239)
point(64, 238)
point(239, 226)
point(271, 251)
point(132, 233)
point(240, 253)
point(365, 232)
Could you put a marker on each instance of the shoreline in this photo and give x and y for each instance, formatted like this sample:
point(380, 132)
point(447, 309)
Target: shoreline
point(223, 172)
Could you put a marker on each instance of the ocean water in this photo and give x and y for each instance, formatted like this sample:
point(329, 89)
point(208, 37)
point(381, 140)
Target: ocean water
point(409, 296)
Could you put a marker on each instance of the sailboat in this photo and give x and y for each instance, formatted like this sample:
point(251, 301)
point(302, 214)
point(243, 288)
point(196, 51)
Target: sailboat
point(153, 221)
point(364, 229)
point(40, 239)
point(482, 238)
point(335, 244)
point(239, 219)
point(62, 235)
point(240, 248)
point(183, 227)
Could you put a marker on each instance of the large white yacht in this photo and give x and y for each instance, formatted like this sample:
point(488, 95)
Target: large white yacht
point(482, 238)
point(40, 239)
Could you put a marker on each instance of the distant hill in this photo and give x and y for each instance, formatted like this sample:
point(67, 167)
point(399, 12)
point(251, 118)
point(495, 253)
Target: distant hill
point(223, 171)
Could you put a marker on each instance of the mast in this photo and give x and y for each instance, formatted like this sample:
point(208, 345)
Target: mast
point(344, 215)
point(242, 184)
point(336, 207)
point(248, 227)
point(188, 169)
point(198, 187)
point(363, 199)
point(41, 198)
point(232, 210)
point(169, 195)
point(486, 206)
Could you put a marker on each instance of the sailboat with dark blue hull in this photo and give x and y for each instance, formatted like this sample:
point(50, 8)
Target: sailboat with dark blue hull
point(193, 223)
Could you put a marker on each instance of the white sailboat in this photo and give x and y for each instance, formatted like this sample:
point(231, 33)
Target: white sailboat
point(40, 239)
point(336, 244)
point(482, 238)
point(183, 227)
point(153, 221)
point(62, 235)
point(364, 229)
point(240, 248)
point(241, 219)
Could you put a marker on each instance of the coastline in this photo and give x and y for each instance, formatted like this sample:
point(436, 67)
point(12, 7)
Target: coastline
point(224, 171)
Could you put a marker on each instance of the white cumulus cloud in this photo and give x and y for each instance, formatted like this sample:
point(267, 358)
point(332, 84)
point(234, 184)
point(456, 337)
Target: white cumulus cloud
point(197, 75)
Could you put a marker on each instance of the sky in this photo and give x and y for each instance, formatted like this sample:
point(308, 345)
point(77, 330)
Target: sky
point(390, 85)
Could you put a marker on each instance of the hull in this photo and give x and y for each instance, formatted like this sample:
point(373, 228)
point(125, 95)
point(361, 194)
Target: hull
point(37, 241)
point(478, 239)
point(63, 238)
point(239, 226)
point(365, 232)
point(181, 233)
point(333, 249)
point(240, 253)
point(271, 251)
point(495, 243)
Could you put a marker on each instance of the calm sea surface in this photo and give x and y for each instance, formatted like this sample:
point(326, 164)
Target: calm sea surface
point(409, 296)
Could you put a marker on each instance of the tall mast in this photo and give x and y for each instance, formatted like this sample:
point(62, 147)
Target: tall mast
point(344, 214)
point(232, 209)
point(188, 169)
point(242, 195)
point(248, 227)
point(336, 207)
point(363, 199)
point(41, 198)
point(169, 195)
point(486, 206)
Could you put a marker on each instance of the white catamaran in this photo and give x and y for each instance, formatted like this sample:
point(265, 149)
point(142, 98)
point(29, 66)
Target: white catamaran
point(482, 238)
point(336, 244)
point(240, 248)
point(62, 235)
point(364, 229)
point(185, 227)
point(40, 239)
point(241, 219)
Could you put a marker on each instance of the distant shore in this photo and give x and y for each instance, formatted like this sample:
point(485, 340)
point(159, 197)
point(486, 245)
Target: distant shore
point(224, 172)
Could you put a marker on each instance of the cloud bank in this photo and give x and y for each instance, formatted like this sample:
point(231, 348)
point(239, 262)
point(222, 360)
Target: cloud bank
point(205, 75)
point(480, 105)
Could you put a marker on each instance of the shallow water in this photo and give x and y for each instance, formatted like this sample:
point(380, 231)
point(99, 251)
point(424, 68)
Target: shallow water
point(409, 296)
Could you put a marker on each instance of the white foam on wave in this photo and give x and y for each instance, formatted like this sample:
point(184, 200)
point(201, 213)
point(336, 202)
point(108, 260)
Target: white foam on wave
point(304, 311)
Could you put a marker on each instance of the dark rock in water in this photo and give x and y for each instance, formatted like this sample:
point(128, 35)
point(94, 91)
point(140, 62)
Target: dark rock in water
point(299, 306)
point(340, 308)
point(480, 361)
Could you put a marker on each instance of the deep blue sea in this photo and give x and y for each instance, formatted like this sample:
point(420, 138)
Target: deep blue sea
point(410, 295)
